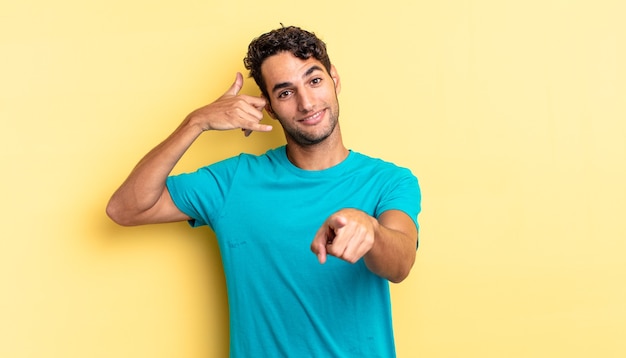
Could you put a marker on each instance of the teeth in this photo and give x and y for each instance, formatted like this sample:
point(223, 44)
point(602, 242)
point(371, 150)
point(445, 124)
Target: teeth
point(315, 116)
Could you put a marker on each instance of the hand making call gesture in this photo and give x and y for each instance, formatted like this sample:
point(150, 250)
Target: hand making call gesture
point(231, 111)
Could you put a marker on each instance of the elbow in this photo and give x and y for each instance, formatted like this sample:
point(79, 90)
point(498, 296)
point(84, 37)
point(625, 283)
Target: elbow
point(399, 276)
point(115, 213)
point(395, 273)
point(402, 271)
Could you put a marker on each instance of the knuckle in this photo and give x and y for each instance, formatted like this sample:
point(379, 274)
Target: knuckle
point(331, 249)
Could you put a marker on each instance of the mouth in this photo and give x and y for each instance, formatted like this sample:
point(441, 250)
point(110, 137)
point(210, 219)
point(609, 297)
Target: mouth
point(313, 118)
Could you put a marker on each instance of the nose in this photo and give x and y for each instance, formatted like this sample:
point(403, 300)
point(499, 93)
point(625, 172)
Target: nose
point(305, 101)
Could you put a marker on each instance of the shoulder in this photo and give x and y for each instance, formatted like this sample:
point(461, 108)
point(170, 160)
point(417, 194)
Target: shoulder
point(244, 160)
point(272, 158)
point(378, 165)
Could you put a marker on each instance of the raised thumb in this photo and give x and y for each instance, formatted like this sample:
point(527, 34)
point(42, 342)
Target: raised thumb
point(236, 86)
point(337, 222)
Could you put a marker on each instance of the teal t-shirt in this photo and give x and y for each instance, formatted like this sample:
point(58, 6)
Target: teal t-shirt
point(265, 212)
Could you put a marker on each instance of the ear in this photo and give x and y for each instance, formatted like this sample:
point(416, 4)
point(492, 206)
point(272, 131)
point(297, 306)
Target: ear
point(269, 110)
point(335, 76)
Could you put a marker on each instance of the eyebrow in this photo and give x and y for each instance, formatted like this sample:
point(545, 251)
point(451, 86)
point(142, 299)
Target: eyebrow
point(288, 84)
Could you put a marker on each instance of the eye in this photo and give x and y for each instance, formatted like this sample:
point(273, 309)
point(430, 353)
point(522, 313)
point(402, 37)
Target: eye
point(316, 81)
point(284, 94)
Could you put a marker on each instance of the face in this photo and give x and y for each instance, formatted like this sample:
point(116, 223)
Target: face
point(302, 97)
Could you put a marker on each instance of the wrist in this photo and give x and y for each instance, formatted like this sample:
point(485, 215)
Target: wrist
point(193, 124)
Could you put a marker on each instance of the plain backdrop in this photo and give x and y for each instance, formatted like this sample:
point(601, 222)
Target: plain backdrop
point(511, 114)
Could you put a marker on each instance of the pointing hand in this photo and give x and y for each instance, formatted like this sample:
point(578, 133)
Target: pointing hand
point(347, 234)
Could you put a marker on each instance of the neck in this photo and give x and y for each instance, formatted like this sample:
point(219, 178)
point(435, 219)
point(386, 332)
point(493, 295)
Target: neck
point(319, 156)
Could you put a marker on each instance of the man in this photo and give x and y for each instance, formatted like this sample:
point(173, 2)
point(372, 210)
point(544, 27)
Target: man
point(357, 214)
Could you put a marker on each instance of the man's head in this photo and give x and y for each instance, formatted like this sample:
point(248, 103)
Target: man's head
point(299, 42)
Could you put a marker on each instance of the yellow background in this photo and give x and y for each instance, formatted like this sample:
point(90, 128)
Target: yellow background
point(511, 113)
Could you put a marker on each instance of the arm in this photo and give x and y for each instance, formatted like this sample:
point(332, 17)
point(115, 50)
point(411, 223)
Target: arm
point(387, 245)
point(143, 197)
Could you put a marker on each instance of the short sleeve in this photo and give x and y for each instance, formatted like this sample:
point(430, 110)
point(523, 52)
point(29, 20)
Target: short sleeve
point(402, 193)
point(201, 194)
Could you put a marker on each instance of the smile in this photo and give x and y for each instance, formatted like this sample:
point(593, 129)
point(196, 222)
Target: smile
point(314, 118)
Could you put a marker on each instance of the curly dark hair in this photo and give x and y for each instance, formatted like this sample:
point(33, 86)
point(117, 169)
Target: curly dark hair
point(299, 42)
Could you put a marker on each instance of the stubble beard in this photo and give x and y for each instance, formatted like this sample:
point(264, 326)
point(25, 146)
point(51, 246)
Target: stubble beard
point(307, 139)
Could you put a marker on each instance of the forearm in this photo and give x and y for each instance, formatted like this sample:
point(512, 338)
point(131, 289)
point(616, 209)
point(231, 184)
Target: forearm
point(146, 183)
point(143, 197)
point(393, 252)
